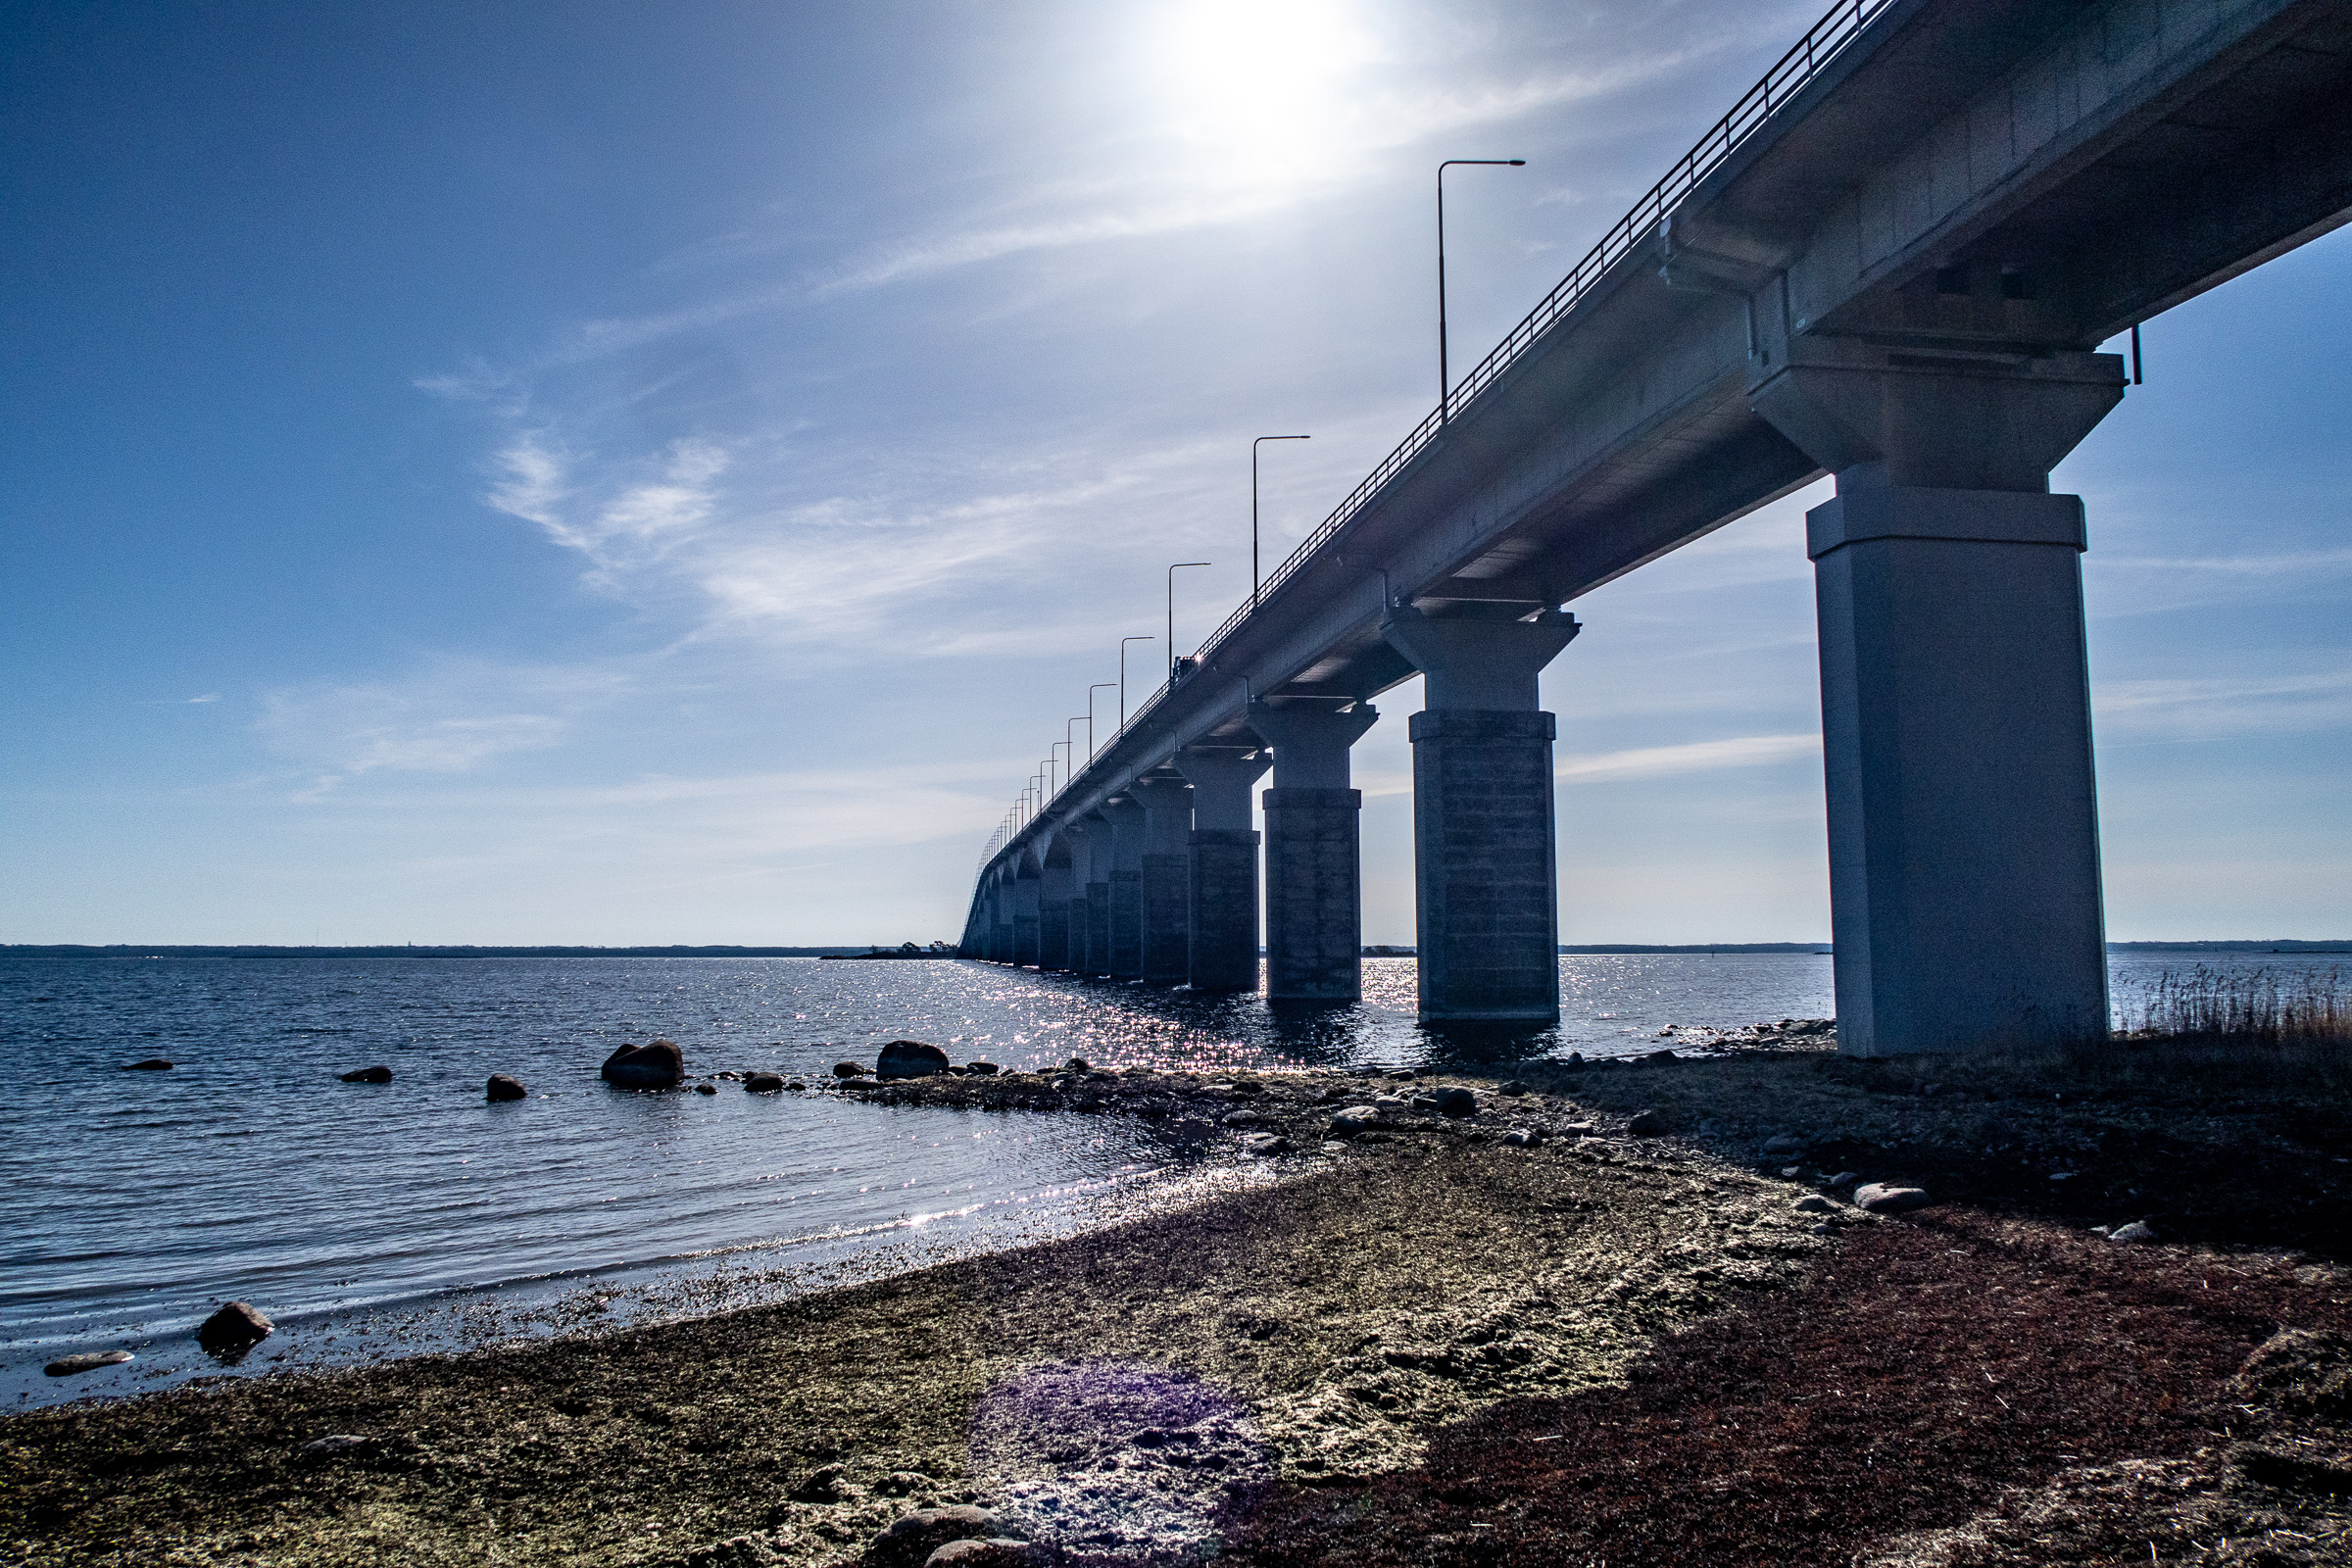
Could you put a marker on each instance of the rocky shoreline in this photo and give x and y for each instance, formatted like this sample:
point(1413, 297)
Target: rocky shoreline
point(1488, 1321)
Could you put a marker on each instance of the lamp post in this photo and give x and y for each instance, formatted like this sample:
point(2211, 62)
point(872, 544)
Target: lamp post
point(1253, 508)
point(1123, 642)
point(1071, 742)
point(1444, 384)
point(1099, 686)
point(1173, 572)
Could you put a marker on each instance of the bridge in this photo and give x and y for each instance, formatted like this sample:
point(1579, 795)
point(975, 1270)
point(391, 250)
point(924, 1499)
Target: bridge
point(1892, 262)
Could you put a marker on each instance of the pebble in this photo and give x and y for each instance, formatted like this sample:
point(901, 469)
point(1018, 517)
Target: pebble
point(1524, 1138)
point(2134, 1234)
point(65, 1366)
point(1880, 1199)
point(1404, 1076)
point(1580, 1129)
point(1648, 1124)
point(1389, 1102)
point(1243, 1118)
point(334, 1444)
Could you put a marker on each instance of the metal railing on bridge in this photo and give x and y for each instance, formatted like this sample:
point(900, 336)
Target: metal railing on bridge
point(1804, 60)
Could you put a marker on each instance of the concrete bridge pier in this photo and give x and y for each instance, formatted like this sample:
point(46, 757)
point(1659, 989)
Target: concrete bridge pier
point(1083, 837)
point(1314, 855)
point(1025, 911)
point(1486, 866)
point(1955, 694)
point(1166, 882)
point(1126, 890)
point(1054, 906)
point(1223, 849)
point(999, 918)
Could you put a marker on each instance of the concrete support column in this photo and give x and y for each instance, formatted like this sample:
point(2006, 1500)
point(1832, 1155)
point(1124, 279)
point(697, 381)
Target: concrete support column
point(1081, 837)
point(1486, 866)
point(1962, 819)
point(1000, 919)
point(1223, 870)
point(1053, 909)
point(1025, 915)
point(1314, 855)
point(1126, 889)
point(1166, 879)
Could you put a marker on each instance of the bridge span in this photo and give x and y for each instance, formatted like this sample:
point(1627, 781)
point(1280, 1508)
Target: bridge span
point(1892, 262)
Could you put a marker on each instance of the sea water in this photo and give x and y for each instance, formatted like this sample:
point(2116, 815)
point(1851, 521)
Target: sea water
point(372, 1220)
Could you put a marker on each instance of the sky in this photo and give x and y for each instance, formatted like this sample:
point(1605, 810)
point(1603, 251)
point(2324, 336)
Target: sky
point(624, 473)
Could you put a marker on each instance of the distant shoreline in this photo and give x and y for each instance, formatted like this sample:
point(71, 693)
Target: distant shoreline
point(167, 950)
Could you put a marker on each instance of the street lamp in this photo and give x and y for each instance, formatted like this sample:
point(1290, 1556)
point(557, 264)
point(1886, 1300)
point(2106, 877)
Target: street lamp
point(1099, 686)
point(1088, 720)
point(1173, 572)
point(1123, 642)
point(1068, 769)
point(1253, 507)
point(1445, 385)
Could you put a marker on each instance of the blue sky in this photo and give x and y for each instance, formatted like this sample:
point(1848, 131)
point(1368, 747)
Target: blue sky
point(665, 474)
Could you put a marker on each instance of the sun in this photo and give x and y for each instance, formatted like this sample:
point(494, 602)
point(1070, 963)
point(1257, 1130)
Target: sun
point(1257, 84)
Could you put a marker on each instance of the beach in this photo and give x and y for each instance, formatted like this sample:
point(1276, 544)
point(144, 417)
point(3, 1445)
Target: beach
point(1433, 1344)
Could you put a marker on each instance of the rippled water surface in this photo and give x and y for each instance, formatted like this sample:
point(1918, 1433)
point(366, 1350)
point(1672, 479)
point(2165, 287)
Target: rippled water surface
point(366, 1219)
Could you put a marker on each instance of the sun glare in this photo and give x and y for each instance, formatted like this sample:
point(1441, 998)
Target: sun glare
point(1257, 84)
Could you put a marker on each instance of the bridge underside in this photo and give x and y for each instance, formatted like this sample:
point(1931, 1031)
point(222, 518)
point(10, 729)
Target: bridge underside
point(1897, 277)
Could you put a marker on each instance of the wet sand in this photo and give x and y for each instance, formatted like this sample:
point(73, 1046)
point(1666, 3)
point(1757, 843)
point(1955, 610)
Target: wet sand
point(1428, 1345)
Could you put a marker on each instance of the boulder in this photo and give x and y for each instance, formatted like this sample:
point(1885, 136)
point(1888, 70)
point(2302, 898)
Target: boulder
point(368, 1075)
point(985, 1551)
point(910, 1058)
point(1784, 1143)
point(1815, 1204)
point(336, 1445)
point(501, 1087)
point(1524, 1138)
point(233, 1328)
point(151, 1064)
point(65, 1366)
point(849, 1069)
point(657, 1066)
point(982, 1069)
point(1243, 1118)
point(1077, 1064)
point(1354, 1119)
point(706, 1089)
point(912, 1538)
point(1262, 1143)
point(829, 1483)
point(1648, 1124)
point(2137, 1233)
point(1513, 1088)
point(1883, 1198)
point(764, 1083)
point(1457, 1102)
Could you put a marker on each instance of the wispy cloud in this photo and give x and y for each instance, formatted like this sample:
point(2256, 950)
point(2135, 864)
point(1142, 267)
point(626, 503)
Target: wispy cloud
point(2223, 705)
point(1697, 756)
point(453, 718)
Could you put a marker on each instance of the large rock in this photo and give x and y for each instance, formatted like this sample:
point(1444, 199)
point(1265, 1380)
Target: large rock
point(657, 1066)
point(1354, 1119)
point(1457, 1102)
point(911, 1059)
point(65, 1366)
point(765, 1082)
point(912, 1538)
point(849, 1069)
point(1648, 1124)
point(1884, 1197)
point(368, 1075)
point(235, 1327)
point(151, 1064)
point(987, 1551)
point(501, 1087)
